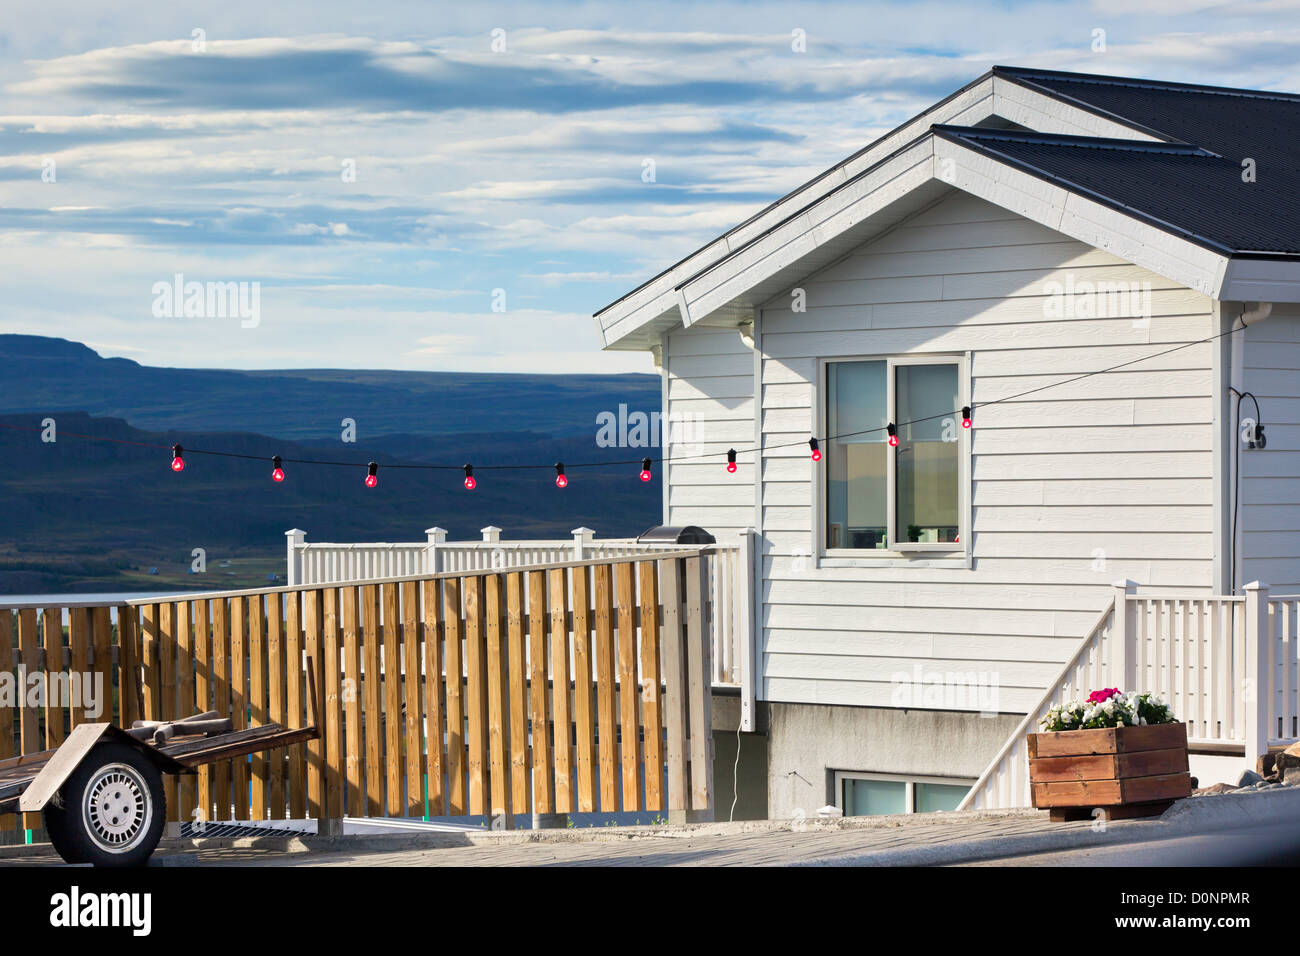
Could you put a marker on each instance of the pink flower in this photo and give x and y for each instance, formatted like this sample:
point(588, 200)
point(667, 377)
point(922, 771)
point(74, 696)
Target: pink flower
point(1101, 696)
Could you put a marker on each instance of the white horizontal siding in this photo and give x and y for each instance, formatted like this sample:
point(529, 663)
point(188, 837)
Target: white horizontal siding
point(711, 386)
point(1269, 516)
point(1072, 487)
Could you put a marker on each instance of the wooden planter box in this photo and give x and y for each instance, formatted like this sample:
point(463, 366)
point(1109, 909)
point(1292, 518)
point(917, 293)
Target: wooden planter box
point(1127, 771)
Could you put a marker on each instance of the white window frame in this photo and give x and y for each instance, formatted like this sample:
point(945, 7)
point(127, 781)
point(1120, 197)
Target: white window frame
point(936, 554)
point(909, 780)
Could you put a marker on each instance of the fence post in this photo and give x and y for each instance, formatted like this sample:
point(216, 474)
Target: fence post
point(742, 619)
point(1120, 639)
point(433, 557)
point(1255, 684)
point(294, 539)
point(491, 534)
point(581, 538)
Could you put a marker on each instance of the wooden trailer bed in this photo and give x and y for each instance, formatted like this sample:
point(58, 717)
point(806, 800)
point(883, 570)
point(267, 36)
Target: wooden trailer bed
point(131, 789)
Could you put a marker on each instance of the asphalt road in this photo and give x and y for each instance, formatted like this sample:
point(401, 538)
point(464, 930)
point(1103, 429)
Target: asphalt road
point(1274, 845)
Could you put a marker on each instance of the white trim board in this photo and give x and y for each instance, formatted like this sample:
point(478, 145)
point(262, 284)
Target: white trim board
point(654, 307)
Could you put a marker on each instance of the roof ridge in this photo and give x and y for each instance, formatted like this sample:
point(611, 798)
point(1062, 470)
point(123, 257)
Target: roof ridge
point(1100, 79)
point(1176, 147)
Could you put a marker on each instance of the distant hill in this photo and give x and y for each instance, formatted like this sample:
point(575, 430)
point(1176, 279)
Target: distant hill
point(52, 374)
point(80, 515)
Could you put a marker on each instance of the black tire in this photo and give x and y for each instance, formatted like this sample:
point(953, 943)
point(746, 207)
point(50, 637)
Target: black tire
point(113, 809)
point(56, 825)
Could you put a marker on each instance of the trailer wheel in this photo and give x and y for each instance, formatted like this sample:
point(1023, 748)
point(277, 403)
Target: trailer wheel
point(113, 811)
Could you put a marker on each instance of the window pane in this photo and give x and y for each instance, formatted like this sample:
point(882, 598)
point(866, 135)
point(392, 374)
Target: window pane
point(869, 798)
point(857, 485)
point(928, 452)
point(938, 796)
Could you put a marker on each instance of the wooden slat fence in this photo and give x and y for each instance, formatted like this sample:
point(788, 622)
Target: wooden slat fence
point(573, 687)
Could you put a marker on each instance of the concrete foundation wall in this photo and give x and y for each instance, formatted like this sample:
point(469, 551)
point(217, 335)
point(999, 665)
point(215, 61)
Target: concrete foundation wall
point(807, 743)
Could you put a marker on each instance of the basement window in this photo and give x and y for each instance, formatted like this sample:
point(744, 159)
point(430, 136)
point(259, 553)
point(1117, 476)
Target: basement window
point(881, 794)
point(882, 499)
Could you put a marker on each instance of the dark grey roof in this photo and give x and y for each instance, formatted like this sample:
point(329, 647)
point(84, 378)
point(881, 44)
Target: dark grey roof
point(1197, 192)
point(1183, 189)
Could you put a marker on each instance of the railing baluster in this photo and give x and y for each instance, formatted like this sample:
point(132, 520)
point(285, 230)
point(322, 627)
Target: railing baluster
point(562, 721)
point(433, 696)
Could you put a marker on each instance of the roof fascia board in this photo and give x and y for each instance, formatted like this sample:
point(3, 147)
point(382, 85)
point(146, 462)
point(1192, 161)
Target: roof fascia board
point(1261, 280)
point(1082, 218)
point(968, 106)
point(698, 286)
point(987, 177)
point(1085, 106)
point(1039, 109)
point(822, 222)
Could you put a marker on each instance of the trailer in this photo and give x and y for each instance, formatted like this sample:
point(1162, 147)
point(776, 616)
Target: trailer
point(101, 792)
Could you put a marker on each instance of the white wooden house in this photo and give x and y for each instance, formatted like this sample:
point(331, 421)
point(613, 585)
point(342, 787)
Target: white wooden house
point(917, 605)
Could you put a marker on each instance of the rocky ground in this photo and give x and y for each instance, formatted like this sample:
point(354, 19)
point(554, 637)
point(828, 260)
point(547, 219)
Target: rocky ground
point(1277, 768)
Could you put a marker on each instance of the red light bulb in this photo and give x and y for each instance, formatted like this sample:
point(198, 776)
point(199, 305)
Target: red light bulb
point(178, 460)
point(893, 434)
point(965, 416)
point(372, 474)
point(277, 473)
point(470, 483)
point(645, 469)
point(816, 449)
point(560, 480)
point(731, 461)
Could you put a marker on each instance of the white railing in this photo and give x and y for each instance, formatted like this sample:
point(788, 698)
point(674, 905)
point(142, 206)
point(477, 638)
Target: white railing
point(1283, 666)
point(1005, 782)
point(312, 563)
point(1227, 665)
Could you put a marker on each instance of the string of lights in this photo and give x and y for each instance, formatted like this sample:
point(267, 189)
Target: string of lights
point(966, 414)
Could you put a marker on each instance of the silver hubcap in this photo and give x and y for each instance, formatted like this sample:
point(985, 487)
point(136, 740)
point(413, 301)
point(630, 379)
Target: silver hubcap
point(118, 810)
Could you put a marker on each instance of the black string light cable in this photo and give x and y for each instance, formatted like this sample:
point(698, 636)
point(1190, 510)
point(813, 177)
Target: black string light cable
point(966, 414)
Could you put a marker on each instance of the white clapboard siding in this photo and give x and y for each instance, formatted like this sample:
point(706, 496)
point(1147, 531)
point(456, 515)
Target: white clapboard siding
point(1072, 487)
point(711, 390)
point(1269, 517)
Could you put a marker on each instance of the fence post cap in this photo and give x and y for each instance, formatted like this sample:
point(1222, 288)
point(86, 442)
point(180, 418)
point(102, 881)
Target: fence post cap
point(582, 532)
point(1254, 586)
point(435, 530)
point(295, 533)
point(490, 527)
point(1126, 584)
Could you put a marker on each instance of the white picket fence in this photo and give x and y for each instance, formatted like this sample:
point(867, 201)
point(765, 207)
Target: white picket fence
point(731, 573)
point(1226, 664)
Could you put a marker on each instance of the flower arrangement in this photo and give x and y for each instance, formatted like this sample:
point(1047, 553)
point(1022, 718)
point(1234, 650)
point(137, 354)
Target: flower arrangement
point(1108, 708)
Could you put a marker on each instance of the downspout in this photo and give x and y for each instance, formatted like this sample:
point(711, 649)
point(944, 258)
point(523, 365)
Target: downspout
point(659, 354)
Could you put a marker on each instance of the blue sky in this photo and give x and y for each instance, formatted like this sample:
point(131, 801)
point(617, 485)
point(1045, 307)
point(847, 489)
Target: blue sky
point(476, 169)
